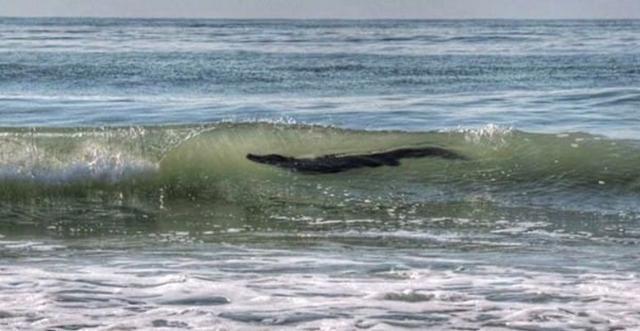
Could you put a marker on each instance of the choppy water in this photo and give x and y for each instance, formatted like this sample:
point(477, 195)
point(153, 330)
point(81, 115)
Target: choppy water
point(126, 200)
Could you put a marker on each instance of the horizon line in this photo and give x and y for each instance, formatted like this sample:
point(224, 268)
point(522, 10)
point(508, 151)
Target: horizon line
point(332, 18)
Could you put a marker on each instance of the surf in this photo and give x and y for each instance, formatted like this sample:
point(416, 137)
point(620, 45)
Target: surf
point(211, 160)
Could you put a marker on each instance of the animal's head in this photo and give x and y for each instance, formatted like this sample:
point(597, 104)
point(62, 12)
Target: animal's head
point(274, 159)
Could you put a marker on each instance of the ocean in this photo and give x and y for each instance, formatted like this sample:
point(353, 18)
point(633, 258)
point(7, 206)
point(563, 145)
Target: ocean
point(127, 201)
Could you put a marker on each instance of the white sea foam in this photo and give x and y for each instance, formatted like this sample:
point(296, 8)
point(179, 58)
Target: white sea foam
point(231, 287)
point(490, 133)
point(91, 162)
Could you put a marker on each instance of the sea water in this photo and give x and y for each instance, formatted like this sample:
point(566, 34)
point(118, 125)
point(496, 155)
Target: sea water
point(127, 201)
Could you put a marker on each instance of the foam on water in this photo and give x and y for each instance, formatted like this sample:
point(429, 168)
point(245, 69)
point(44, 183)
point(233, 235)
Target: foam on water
point(297, 290)
point(90, 164)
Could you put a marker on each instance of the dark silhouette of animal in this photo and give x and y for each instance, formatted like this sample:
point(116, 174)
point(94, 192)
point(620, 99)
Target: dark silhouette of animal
point(333, 163)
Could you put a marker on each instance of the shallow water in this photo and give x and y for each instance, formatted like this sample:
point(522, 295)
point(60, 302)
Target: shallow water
point(127, 201)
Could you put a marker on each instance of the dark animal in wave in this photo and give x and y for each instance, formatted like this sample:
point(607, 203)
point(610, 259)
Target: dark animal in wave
point(328, 164)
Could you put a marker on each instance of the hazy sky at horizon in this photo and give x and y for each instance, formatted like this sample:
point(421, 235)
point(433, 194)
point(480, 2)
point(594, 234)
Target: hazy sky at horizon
point(326, 8)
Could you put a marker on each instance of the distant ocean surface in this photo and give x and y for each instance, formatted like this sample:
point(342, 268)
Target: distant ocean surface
point(127, 201)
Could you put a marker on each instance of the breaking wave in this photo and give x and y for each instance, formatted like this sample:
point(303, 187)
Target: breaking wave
point(209, 162)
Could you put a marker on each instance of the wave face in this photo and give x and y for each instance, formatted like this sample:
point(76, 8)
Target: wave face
point(209, 162)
